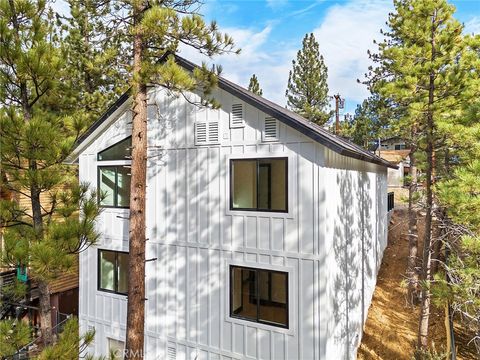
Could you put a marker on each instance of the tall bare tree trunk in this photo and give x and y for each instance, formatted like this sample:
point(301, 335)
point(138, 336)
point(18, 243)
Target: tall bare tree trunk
point(412, 272)
point(136, 266)
point(422, 341)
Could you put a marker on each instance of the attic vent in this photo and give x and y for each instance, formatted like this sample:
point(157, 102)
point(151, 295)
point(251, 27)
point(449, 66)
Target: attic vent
point(270, 131)
point(206, 133)
point(236, 116)
point(171, 353)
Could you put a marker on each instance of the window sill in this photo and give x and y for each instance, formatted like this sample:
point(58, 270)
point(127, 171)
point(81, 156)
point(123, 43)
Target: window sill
point(257, 213)
point(115, 210)
point(112, 294)
point(262, 326)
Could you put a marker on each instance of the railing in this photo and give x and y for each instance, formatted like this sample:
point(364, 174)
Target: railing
point(390, 201)
point(7, 278)
point(24, 352)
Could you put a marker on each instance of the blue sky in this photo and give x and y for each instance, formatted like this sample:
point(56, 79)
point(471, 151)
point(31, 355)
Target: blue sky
point(270, 33)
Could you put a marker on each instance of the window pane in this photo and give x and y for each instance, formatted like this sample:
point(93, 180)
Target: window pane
point(244, 182)
point(264, 186)
point(272, 289)
point(244, 302)
point(107, 270)
point(123, 178)
point(122, 273)
point(120, 151)
point(116, 347)
point(107, 185)
point(272, 185)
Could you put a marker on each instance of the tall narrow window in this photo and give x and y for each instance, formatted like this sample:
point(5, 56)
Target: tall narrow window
point(259, 184)
point(259, 295)
point(114, 185)
point(114, 179)
point(113, 271)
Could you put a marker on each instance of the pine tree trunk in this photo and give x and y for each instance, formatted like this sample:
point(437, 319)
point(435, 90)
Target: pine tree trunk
point(437, 249)
point(422, 341)
point(412, 272)
point(44, 291)
point(45, 312)
point(136, 281)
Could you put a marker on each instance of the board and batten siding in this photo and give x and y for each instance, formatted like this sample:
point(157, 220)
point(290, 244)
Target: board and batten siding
point(333, 202)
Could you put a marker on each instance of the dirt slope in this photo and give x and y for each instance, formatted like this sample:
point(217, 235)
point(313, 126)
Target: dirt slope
point(391, 327)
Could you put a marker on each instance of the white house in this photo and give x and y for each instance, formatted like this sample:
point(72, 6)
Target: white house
point(265, 231)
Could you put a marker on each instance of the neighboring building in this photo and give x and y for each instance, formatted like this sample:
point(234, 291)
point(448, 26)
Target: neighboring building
point(392, 143)
point(265, 232)
point(63, 290)
point(401, 158)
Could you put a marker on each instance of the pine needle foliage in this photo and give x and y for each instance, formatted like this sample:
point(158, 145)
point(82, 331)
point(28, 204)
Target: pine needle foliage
point(307, 89)
point(370, 122)
point(430, 70)
point(70, 345)
point(37, 132)
point(254, 85)
point(14, 335)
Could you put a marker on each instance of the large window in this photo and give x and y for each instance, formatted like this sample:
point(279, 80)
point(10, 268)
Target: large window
point(259, 184)
point(259, 295)
point(114, 185)
point(114, 178)
point(113, 271)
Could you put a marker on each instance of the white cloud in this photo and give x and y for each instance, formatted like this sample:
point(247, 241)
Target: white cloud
point(345, 34)
point(61, 7)
point(271, 68)
point(275, 4)
point(472, 26)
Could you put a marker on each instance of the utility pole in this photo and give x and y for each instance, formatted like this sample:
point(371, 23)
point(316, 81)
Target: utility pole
point(339, 104)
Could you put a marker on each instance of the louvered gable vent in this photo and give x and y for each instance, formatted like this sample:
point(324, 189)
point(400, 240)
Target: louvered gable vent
point(236, 116)
point(171, 353)
point(270, 131)
point(206, 133)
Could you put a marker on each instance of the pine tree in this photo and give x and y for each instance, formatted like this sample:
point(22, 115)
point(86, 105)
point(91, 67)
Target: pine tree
point(157, 28)
point(427, 67)
point(35, 137)
point(459, 214)
point(307, 89)
point(370, 122)
point(92, 49)
point(254, 85)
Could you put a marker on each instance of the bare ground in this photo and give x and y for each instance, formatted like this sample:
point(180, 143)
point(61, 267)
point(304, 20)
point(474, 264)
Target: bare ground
point(391, 328)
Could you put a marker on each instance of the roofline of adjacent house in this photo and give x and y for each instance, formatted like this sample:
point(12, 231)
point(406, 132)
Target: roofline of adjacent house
point(313, 131)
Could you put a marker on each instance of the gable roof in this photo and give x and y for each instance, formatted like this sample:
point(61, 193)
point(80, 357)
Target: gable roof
point(290, 118)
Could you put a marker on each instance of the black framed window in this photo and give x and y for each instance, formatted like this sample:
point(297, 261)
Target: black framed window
point(113, 271)
point(259, 184)
point(119, 151)
point(114, 185)
point(259, 295)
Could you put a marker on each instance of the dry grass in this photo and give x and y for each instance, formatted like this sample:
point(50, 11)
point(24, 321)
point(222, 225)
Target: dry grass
point(391, 327)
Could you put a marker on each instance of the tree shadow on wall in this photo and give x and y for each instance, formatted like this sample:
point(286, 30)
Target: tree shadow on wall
point(353, 244)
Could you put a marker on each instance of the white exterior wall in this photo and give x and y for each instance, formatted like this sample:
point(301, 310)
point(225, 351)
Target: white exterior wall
point(395, 176)
point(195, 236)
